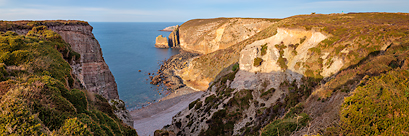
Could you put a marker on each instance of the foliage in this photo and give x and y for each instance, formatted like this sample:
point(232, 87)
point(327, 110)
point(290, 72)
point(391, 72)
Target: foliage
point(379, 107)
point(263, 49)
point(17, 119)
point(257, 61)
point(73, 127)
point(284, 127)
point(235, 67)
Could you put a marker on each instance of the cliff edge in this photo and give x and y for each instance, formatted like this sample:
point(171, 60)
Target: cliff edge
point(90, 70)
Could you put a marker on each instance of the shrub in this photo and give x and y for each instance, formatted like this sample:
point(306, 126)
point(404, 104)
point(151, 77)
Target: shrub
point(379, 107)
point(285, 126)
point(257, 61)
point(263, 49)
point(235, 67)
point(192, 104)
point(16, 118)
point(73, 127)
point(78, 99)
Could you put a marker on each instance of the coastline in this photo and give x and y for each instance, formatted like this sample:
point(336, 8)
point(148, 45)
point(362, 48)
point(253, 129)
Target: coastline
point(156, 115)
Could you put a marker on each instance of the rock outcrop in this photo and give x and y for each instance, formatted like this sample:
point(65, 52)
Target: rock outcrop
point(169, 28)
point(167, 74)
point(161, 42)
point(174, 38)
point(121, 112)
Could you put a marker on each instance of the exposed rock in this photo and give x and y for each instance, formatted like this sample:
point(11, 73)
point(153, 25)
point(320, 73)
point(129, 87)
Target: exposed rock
point(174, 38)
point(214, 37)
point(121, 112)
point(167, 74)
point(285, 38)
point(161, 42)
point(169, 28)
point(92, 71)
point(208, 35)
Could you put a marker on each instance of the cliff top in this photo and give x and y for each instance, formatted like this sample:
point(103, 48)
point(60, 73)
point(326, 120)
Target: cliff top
point(27, 24)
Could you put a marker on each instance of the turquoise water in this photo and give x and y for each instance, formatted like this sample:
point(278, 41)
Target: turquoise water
point(128, 48)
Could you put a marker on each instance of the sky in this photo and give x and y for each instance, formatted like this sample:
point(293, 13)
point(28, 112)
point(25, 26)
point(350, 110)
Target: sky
point(183, 10)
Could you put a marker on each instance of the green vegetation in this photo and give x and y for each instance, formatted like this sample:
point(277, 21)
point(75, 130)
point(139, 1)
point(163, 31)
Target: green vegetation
point(380, 107)
point(36, 95)
point(263, 49)
point(282, 62)
point(284, 127)
point(257, 61)
point(235, 67)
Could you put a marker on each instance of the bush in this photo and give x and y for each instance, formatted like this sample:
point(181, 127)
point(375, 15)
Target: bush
point(235, 67)
point(380, 107)
point(78, 99)
point(285, 126)
point(257, 61)
point(263, 49)
point(16, 118)
point(73, 127)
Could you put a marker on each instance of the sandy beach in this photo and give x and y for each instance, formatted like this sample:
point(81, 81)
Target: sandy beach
point(157, 115)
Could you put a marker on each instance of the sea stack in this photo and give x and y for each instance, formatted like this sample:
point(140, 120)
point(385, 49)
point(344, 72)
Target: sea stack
point(161, 42)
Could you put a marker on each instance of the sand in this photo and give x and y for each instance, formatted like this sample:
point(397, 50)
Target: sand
point(157, 115)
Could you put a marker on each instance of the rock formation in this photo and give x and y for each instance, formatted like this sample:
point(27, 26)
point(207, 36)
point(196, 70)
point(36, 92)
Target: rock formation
point(92, 71)
point(174, 38)
point(208, 35)
point(161, 42)
point(169, 28)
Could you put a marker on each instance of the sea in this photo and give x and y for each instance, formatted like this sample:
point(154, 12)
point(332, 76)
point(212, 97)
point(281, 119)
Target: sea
point(128, 47)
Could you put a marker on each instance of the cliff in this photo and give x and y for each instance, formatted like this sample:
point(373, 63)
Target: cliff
point(174, 38)
point(208, 35)
point(40, 94)
point(91, 71)
point(303, 75)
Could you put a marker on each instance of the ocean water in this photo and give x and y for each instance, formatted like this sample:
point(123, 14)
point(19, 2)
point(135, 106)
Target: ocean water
point(128, 48)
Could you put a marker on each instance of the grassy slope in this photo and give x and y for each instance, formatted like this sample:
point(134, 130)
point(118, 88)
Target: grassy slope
point(34, 88)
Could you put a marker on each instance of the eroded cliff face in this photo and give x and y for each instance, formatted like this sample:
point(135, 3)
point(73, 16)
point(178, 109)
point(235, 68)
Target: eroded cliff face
point(282, 57)
point(92, 71)
point(208, 35)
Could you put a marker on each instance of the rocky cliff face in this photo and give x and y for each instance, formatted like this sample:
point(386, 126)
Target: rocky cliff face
point(208, 35)
point(91, 71)
point(174, 38)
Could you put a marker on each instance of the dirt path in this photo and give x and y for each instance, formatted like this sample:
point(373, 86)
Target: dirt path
point(157, 115)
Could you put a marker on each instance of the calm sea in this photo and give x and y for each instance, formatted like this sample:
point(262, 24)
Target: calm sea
point(128, 48)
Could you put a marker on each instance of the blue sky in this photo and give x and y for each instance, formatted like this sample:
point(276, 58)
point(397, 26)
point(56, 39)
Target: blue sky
point(183, 10)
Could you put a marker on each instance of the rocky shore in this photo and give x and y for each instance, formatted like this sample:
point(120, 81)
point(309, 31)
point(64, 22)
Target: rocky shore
point(167, 76)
